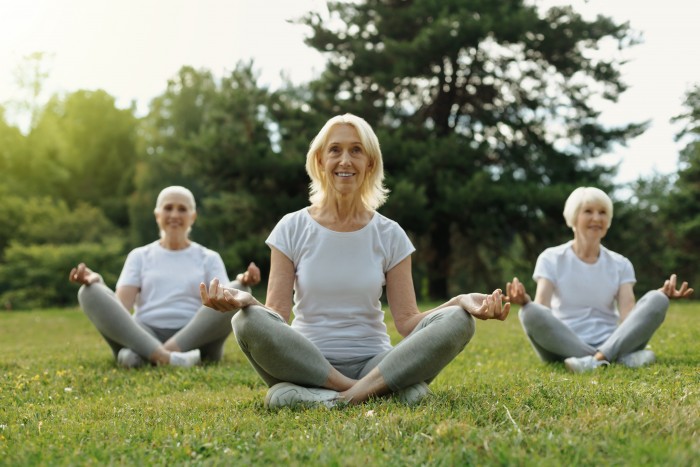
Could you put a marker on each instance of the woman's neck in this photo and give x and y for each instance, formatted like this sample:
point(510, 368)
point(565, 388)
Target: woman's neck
point(587, 251)
point(174, 243)
point(341, 216)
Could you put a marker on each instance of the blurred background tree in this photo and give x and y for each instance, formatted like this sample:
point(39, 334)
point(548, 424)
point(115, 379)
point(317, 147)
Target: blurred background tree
point(683, 208)
point(486, 116)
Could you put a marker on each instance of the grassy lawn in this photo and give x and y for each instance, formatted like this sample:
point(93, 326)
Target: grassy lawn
point(64, 402)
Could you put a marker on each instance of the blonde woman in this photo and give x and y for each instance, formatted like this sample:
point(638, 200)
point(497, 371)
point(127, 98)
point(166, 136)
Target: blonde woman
point(329, 265)
point(160, 282)
point(584, 312)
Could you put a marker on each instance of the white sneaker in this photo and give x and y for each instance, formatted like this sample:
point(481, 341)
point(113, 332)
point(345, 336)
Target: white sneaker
point(185, 359)
point(127, 358)
point(413, 394)
point(291, 395)
point(584, 364)
point(638, 359)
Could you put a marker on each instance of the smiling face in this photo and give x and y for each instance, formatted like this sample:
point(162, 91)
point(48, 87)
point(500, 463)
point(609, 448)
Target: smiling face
point(175, 215)
point(592, 221)
point(344, 160)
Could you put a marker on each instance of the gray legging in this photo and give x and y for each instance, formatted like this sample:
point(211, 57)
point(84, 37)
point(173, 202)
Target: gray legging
point(279, 353)
point(554, 341)
point(207, 330)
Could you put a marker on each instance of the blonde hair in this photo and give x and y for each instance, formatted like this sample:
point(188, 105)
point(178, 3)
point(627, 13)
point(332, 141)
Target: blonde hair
point(373, 193)
point(175, 189)
point(582, 195)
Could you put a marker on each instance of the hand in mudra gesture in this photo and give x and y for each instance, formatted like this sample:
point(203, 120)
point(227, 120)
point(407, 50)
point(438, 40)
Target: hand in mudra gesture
point(516, 293)
point(222, 298)
point(251, 276)
point(81, 274)
point(669, 288)
point(485, 306)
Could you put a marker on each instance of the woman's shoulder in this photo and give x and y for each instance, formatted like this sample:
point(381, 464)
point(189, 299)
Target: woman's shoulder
point(201, 249)
point(383, 223)
point(294, 220)
point(289, 227)
point(144, 249)
point(556, 251)
point(615, 256)
point(295, 217)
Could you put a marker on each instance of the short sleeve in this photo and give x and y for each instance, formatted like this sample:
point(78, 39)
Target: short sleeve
point(131, 272)
point(545, 267)
point(215, 268)
point(280, 237)
point(401, 247)
point(627, 274)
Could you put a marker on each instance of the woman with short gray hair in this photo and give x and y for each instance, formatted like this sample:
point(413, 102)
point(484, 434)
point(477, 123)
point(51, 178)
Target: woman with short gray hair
point(584, 312)
point(160, 282)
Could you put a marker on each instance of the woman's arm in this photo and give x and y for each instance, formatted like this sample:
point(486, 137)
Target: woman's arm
point(544, 292)
point(625, 300)
point(404, 309)
point(281, 279)
point(402, 297)
point(127, 295)
point(280, 285)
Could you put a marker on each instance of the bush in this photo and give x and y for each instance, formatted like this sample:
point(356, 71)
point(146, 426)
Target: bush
point(34, 276)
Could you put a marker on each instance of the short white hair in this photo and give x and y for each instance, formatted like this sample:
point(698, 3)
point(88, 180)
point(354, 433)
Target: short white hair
point(582, 195)
point(175, 189)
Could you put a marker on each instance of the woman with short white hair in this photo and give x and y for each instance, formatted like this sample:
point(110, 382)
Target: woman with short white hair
point(585, 312)
point(160, 282)
point(329, 265)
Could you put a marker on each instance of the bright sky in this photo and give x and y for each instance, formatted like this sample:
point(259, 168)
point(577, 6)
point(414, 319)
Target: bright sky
point(131, 47)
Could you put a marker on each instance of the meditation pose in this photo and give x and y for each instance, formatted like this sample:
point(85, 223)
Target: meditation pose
point(329, 264)
point(161, 282)
point(574, 316)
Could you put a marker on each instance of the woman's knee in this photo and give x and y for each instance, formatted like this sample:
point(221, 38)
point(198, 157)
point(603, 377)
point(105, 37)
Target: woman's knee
point(655, 304)
point(530, 315)
point(234, 284)
point(249, 319)
point(461, 323)
point(88, 294)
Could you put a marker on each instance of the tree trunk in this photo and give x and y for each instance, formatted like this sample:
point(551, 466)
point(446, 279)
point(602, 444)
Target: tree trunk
point(439, 262)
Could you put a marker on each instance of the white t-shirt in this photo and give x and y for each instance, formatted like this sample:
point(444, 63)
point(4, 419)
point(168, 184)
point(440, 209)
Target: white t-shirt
point(169, 282)
point(584, 294)
point(339, 281)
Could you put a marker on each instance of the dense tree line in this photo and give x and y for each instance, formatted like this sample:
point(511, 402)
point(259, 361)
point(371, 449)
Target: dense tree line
point(483, 110)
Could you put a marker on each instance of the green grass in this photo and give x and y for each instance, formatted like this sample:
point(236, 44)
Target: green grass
point(63, 402)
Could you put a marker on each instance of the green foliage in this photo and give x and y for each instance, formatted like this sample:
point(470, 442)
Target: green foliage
point(49, 221)
point(483, 110)
point(640, 232)
point(41, 239)
point(659, 226)
point(88, 150)
point(13, 151)
point(467, 98)
point(231, 156)
point(37, 275)
point(683, 206)
point(64, 402)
